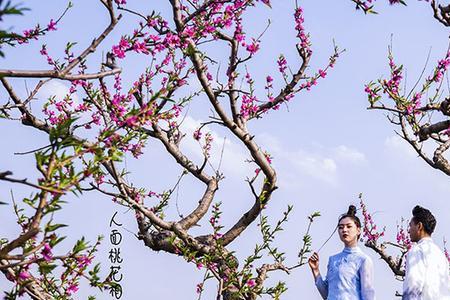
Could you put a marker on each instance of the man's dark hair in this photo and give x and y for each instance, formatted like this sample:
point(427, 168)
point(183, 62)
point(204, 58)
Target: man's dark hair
point(425, 217)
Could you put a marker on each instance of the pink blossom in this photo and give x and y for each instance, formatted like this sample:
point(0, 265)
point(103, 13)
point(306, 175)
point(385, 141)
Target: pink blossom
point(29, 34)
point(24, 275)
point(251, 283)
point(84, 261)
point(402, 237)
point(51, 26)
point(369, 228)
point(393, 84)
point(43, 50)
point(253, 47)
point(268, 157)
point(282, 64)
point(132, 121)
point(415, 104)
point(288, 97)
point(248, 106)
point(189, 31)
point(197, 135)
point(119, 50)
point(176, 110)
point(140, 47)
point(73, 288)
point(119, 2)
point(153, 194)
point(304, 38)
point(172, 40)
point(100, 179)
point(322, 73)
point(47, 252)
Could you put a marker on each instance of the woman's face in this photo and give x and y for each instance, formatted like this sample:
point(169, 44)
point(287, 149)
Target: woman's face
point(348, 231)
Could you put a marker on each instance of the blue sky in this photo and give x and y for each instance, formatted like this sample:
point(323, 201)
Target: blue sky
point(327, 147)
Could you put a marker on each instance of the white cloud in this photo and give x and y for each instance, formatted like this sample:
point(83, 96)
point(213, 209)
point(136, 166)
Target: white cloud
point(321, 163)
point(397, 145)
point(57, 89)
point(314, 165)
point(346, 154)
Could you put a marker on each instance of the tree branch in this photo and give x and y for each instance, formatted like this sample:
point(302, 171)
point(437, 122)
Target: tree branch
point(380, 250)
point(56, 74)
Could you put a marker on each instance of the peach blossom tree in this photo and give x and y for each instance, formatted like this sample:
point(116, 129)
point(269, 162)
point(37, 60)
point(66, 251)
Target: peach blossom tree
point(88, 140)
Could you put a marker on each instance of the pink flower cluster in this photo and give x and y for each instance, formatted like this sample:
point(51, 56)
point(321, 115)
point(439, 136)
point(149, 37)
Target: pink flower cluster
point(47, 252)
point(415, 104)
point(253, 47)
point(50, 60)
point(442, 67)
point(34, 33)
point(321, 73)
point(30, 34)
point(251, 283)
point(197, 135)
point(119, 50)
point(402, 237)
point(71, 289)
point(51, 26)
point(24, 275)
point(393, 84)
point(248, 106)
point(370, 228)
point(304, 38)
point(282, 65)
point(372, 92)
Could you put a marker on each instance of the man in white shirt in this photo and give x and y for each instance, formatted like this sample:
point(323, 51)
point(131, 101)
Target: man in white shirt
point(427, 269)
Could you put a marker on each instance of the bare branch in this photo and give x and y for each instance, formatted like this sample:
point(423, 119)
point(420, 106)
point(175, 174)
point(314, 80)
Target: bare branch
point(56, 74)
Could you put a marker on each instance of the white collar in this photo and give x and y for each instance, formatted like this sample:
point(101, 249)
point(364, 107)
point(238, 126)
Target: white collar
point(425, 239)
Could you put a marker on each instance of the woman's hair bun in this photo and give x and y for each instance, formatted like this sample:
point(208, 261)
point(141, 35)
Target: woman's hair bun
point(351, 210)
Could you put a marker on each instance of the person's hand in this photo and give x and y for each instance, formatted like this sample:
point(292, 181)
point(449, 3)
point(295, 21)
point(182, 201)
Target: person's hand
point(313, 263)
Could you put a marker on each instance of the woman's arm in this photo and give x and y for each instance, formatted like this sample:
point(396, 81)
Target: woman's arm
point(322, 285)
point(366, 273)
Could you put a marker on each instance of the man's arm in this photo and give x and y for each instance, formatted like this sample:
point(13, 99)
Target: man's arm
point(414, 280)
